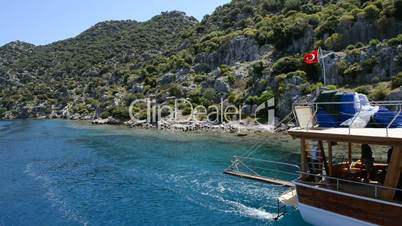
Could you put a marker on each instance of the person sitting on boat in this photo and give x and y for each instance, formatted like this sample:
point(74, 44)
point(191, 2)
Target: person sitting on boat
point(389, 154)
point(368, 161)
point(314, 163)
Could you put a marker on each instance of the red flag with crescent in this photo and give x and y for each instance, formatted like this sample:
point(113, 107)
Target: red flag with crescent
point(311, 58)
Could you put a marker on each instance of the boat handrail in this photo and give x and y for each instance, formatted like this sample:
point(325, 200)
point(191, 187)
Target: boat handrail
point(388, 102)
point(315, 106)
point(376, 188)
point(268, 161)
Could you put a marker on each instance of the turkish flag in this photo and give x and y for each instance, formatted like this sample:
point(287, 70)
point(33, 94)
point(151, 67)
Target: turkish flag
point(311, 58)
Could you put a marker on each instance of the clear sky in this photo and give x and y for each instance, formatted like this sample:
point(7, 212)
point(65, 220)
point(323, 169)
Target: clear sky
point(44, 21)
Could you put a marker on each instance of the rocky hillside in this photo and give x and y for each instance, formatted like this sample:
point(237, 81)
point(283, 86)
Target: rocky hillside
point(246, 52)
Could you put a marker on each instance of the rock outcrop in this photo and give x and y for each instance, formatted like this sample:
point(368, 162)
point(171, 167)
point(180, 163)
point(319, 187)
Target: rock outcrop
point(364, 30)
point(240, 49)
point(108, 121)
point(368, 65)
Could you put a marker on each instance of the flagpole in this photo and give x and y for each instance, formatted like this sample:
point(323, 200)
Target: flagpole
point(323, 65)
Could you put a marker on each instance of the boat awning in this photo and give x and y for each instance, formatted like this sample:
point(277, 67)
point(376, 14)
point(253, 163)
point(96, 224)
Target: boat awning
point(376, 136)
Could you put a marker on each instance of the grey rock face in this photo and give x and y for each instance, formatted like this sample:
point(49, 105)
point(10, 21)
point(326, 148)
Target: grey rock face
point(167, 78)
point(91, 72)
point(303, 44)
point(395, 95)
point(204, 84)
point(201, 68)
point(239, 49)
point(294, 87)
point(110, 121)
point(364, 31)
point(182, 75)
point(137, 88)
point(386, 65)
point(331, 70)
point(246, 109)
point(221, 86)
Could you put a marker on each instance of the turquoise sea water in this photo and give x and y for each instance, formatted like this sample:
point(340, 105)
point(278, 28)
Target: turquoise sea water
point(67, 173)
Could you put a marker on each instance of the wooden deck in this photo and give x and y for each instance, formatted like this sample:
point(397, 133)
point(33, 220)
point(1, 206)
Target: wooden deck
point(357, 135)
point(260, 178)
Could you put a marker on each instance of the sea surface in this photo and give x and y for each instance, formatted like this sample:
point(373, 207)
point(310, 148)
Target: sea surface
point(70, 173)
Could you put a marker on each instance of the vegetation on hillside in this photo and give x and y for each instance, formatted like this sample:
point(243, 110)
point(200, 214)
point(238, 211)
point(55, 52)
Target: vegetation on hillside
point(107, 66)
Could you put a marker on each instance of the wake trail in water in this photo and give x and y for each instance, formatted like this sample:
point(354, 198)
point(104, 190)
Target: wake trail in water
point(219, 195)
point(52, 195)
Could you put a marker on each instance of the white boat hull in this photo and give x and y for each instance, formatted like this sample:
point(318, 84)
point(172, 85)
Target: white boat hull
point(320, 217)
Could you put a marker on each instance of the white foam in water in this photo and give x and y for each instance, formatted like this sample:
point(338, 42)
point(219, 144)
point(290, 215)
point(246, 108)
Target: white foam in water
point(52, 196)
point(251, 212)
point(218, 189)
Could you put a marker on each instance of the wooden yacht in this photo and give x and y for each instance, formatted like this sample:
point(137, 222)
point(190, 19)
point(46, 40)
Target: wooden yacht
point(336, 191)
point(351, 162)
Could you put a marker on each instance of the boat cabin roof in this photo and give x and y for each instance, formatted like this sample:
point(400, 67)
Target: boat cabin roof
point(377, 136)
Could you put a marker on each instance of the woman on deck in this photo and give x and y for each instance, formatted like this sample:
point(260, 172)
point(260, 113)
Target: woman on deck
point(368, 161)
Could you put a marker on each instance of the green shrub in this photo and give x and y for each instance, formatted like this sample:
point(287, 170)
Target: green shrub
point(313, 20)
point(280, 30)
point(195, 95)
point(395, 41)
point(250, 32)
point(236, 97)
point(363, 89)
point(334, 42)
point(312, 88)
point(226, 70)
point(292, 5)
point(82, 109)
point(388, 8)
point(374, 42)
point(251, 100)
point(231, 79)
point(359, 45)
point(105, 115)
point(350, 47)
point(397, 81)
point(209, 96)
point(265, 96)
point(345, 19)
point(2, 112)
point(353, 70)
point(286, 64)
point(200, 78)
point(371, 12)
point(298, 73)
point(318, 44)
point(187, 110)
point(379, 93)
point(310, 8)
point(258, 68)
point(327, 27)
point(176, 90)
point(369, 64)
point(272, 5)
point(331, 87)
point(120, 112)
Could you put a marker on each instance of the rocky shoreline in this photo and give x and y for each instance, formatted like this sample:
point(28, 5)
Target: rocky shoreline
point(235, 128)
point(239, 129)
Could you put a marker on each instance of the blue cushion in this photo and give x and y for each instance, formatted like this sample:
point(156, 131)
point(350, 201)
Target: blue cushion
point(384, 117)
point(326, 120)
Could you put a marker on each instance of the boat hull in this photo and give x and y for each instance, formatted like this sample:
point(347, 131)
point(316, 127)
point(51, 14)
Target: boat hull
point(320, 217)
point(320, 206)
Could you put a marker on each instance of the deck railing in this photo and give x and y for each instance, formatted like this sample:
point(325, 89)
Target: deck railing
point(264, 168)
point(394, 106)
point(373, 191)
